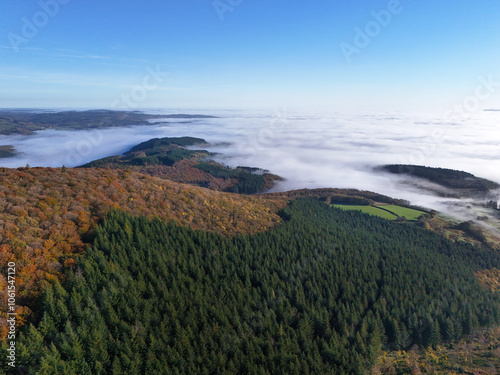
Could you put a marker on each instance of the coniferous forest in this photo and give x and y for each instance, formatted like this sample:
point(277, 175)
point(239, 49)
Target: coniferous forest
point(322, 293)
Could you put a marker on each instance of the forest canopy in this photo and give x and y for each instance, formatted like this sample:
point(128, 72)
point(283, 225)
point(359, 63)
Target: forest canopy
point(323, 292)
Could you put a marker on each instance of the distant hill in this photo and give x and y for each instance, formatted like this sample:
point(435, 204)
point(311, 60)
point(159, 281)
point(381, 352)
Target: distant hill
point(7, 151)
point(157, 143)
point(448, 178)
point(171, 159)
point(27, 122)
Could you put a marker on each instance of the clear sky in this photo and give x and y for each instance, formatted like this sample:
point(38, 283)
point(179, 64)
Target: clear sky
point(241, 54)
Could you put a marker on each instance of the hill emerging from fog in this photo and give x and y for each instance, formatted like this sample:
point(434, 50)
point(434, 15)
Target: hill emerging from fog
point(179, 159)
point(462, 183)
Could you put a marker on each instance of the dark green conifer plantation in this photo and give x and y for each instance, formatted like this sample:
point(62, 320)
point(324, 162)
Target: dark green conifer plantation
point(321, 294)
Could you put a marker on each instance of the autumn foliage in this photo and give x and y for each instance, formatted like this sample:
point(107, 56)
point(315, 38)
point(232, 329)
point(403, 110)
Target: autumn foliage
point(490, 279)
point(46, 214)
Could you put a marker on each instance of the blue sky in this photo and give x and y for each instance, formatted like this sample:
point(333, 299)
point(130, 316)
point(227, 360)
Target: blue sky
point(100, 54)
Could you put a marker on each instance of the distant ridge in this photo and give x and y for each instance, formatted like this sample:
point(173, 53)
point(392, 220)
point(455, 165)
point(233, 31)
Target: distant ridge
point(170, 158)
point(448, 178)
point(27, 122)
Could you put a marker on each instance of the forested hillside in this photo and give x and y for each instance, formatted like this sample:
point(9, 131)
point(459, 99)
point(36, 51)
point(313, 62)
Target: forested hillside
point(322, 293)
point(170, 158)
point(47, 215)
point(449, 178)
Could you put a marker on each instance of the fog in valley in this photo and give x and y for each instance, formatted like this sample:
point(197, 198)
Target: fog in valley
point(334, 150)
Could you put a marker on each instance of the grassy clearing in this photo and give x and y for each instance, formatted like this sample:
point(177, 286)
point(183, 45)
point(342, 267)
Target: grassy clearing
point(390, 212)
point(408, 213)
point(370, 210)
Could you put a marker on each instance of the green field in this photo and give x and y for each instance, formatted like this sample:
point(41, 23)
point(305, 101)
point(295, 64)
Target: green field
point(408, 213)
point(382, 211)
point(370, 210)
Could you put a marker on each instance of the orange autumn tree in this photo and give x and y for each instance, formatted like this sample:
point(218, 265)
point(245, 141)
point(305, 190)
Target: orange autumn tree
point(44, 213)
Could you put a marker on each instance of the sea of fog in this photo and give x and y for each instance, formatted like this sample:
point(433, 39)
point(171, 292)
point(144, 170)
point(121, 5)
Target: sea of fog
point(309, 151)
